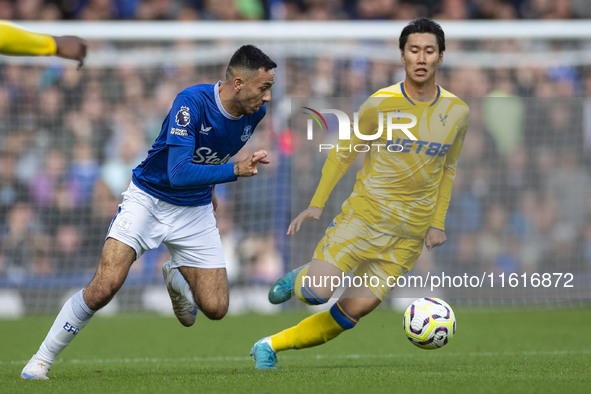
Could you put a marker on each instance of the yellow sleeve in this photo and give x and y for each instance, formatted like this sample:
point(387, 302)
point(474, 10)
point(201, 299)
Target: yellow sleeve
point(335, 167)
point(16, 41)
point(339, 160)
point(449, 174)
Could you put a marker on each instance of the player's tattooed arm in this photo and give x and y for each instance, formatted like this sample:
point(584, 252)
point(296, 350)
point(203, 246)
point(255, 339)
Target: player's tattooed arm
point(248, 166)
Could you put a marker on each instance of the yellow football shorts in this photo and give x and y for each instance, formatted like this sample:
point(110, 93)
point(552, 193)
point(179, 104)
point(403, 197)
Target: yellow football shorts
point(352, 245)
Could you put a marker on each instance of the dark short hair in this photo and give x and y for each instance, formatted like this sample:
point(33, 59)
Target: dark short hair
point(422, 25)
point(251, 58)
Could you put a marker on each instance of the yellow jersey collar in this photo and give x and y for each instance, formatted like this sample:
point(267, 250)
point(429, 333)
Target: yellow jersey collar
point(437, 95)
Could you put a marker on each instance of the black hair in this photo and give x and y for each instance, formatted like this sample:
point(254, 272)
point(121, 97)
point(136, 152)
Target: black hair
point(422, 25)
point(250, 58)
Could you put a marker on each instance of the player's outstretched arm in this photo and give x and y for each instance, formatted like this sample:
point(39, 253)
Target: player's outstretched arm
point(17, 41)
point(71, 47)
point(306, 214)
point(248, 166)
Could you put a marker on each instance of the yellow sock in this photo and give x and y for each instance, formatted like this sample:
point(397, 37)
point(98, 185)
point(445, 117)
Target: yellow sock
point(297, 288)
point(314, 330)
point(304, 291)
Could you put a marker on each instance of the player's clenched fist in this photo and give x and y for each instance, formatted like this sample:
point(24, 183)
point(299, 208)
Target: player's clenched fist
point(71, 47)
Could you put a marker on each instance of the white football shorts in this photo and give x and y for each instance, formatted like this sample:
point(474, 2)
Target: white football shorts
point(190, 233)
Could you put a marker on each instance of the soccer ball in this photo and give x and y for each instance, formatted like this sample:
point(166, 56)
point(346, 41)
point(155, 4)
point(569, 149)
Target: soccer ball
point(429, 323)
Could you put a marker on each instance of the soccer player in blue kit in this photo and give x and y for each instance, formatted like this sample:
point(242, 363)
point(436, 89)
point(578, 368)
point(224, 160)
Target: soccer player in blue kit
point(171, 200)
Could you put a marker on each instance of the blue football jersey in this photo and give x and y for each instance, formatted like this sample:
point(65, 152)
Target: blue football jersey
point(197, 120)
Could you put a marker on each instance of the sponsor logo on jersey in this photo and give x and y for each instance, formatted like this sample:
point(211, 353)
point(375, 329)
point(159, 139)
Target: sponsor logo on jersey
point(204, 130)
point(246, 133)
point(183, 117)
point(180, 132)
point(205, 155)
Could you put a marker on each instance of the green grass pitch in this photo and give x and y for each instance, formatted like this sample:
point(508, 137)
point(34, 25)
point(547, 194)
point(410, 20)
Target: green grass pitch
point(494, 351)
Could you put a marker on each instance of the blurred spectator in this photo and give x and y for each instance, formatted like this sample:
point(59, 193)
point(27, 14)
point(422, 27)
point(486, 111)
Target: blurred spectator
point(158, 9)
point(516, 175)
point(376, 9)
point(586, 119)
point(540, 253)
point(104, 203)
point(491, 238)
point(324, 82)
point(465, 209)
point(12, 191)
point(97, 10)
point(224, 10)
point(581, 8)
point(261, 261)
point(51, 111)
point(571, 201)
point(453, 10)
point(28, 9)
point(504, 114)
point(67, 253)
point(84, 171)
point(523, 223)
point(559, 126)
point(116, 172)
point(469, 82)
point(22, 242)
point(587, 248)
point(52, 176)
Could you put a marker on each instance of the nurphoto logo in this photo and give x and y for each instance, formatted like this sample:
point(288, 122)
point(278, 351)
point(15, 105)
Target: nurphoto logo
point(345, 125)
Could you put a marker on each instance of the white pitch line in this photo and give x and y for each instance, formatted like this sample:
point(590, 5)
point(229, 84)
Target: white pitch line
point(318, 357)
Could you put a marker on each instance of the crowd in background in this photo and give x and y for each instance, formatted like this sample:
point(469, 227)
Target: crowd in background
point(69, 140)
point(291, 9)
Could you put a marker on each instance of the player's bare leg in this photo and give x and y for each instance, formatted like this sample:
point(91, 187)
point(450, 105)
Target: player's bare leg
point(210, 290)
point(112, 270)
point(359, 301)
point(320, 280)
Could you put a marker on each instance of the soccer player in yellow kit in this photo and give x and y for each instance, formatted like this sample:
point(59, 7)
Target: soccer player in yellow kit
point(399, 200)
point(16, 41)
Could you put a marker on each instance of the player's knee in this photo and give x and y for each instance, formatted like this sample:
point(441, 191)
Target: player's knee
point(311, 297)
point(215, 311)
point(215, 315)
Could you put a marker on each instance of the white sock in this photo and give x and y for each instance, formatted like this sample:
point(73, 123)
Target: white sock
point(181, 285)
point(73, 317)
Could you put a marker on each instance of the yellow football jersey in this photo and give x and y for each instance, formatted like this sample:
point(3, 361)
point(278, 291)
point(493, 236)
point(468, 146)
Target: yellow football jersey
point(404, 186)
point(16, 41)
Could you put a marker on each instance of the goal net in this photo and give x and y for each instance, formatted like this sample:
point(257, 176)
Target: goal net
point(518, 225)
